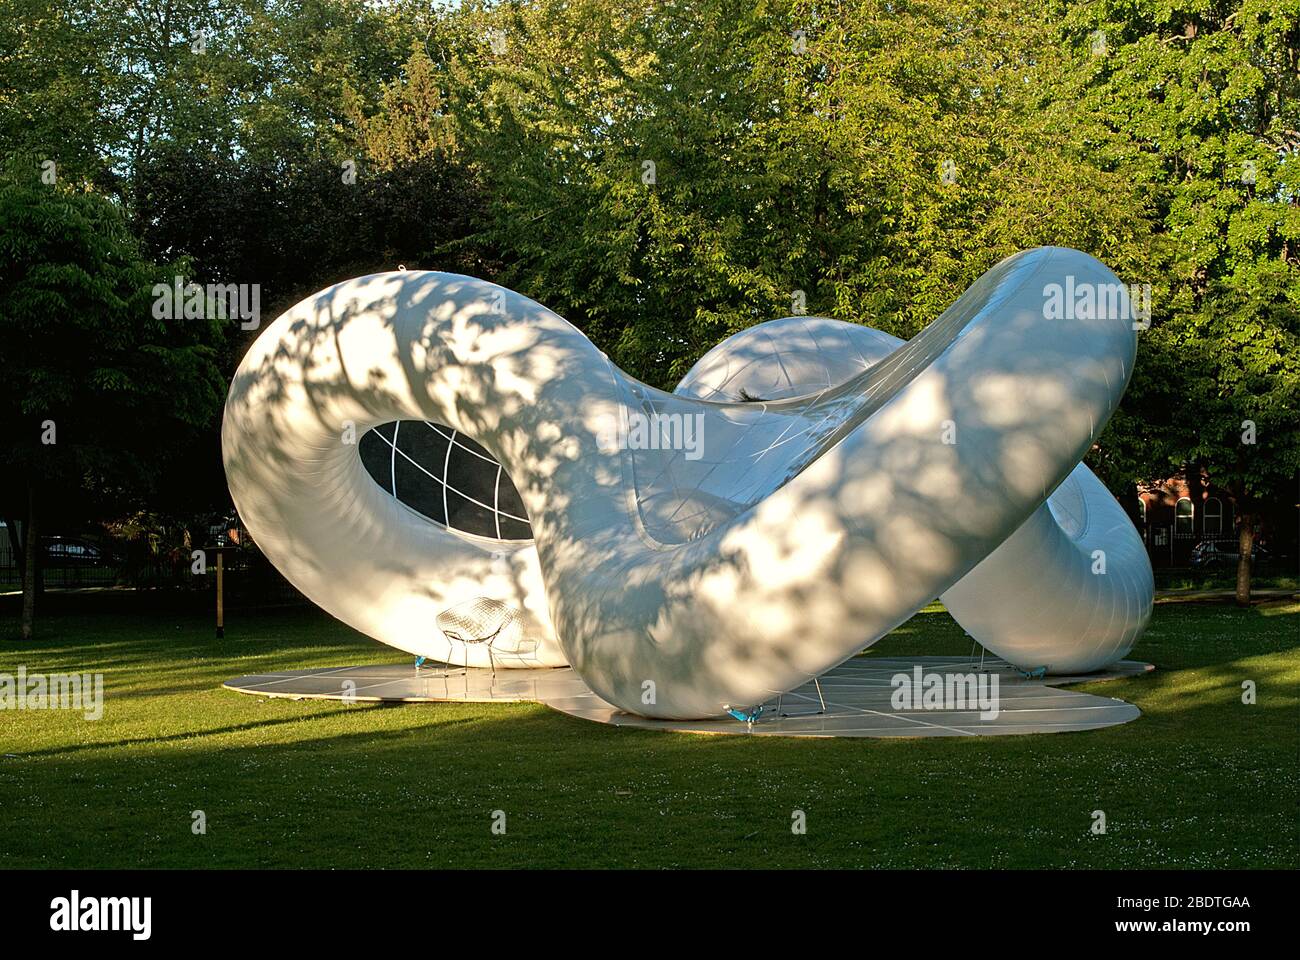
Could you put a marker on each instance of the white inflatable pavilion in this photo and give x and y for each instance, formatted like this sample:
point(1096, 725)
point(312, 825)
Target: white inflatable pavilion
point(456, 471)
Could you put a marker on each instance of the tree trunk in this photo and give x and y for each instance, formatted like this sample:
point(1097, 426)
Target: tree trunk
point(31, 566)
point(1245, 546)
point(1131, 502)
point(16, 547)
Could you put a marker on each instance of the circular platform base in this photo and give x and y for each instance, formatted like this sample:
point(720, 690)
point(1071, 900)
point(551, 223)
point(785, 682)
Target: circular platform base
point(856, 699)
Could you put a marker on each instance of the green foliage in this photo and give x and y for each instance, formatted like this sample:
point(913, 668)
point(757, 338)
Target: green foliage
point(1203, 108)
point(84, 352)
point(52, 76)
point(864, 160)
point(786, 163)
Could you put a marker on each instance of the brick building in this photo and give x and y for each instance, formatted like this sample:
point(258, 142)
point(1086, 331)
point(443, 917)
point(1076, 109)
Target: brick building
point(1176, 514)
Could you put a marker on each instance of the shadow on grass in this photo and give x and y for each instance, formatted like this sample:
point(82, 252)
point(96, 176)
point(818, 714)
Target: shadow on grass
point(1200, 781)
point(190, 735)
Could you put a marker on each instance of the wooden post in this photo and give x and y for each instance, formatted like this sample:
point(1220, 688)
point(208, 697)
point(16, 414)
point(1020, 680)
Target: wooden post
point(221, 608)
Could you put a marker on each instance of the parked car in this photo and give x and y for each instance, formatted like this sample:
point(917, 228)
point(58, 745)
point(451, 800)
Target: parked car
point(1209, 553)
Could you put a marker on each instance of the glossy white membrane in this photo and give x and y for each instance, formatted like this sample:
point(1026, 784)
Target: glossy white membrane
point(788, 535)
point(1041, 598)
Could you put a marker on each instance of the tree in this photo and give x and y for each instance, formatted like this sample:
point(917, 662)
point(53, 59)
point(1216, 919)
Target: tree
point(667, 175)
point(1243, 346)
point(1204, 103)
point(97, 390)
point(52, 74)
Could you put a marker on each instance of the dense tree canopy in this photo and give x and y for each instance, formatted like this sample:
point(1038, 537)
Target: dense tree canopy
point(1202, 105)
point(97, 390)
point(665, 174)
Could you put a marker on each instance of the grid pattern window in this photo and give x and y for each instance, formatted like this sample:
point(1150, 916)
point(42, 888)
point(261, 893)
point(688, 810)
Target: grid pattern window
point(445, 476)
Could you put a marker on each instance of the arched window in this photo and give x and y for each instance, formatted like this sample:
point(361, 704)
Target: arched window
point(1142, 512)
point(1212, 517)
point(1184, 515)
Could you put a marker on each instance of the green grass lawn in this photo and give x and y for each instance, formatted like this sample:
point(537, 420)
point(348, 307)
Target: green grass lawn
point(1200, 780)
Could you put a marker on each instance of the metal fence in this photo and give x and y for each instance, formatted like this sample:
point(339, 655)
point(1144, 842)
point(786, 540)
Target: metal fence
point(73, 564)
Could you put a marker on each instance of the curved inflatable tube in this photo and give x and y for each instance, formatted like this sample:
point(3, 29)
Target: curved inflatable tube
point(803, 529)
point(1068, 592)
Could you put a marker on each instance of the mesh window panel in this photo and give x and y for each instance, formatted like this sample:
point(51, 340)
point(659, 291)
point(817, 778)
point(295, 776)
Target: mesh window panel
point(445, 476)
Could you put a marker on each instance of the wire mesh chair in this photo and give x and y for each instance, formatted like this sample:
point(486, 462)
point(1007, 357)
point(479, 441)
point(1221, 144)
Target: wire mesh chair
point(482, 620)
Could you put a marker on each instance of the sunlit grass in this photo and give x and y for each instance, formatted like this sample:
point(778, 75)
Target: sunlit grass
point(1200, 780)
